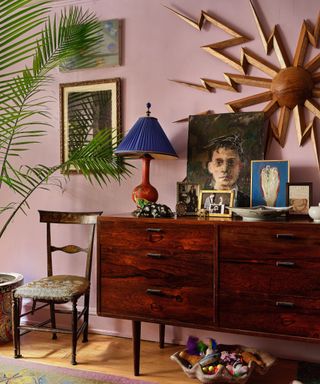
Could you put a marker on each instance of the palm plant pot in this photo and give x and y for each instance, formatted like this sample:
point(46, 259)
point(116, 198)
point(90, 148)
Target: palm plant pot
point(8, 282)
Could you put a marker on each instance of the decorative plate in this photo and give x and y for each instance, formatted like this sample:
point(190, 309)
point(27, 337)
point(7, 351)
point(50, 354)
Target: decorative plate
point(260, 212)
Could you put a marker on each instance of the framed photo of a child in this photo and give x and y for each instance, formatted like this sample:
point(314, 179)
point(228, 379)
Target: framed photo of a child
point(216, 202)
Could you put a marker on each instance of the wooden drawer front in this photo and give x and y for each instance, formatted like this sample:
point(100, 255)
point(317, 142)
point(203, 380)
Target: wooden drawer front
point(174, 268)
point(290, 277)
point(285, 315)
point(269, 241)
point(156, 235)
point(149, 299)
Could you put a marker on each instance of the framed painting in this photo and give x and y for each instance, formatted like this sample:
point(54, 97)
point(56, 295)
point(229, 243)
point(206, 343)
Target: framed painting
point(108, 53)
point(187, 198)
point(216, 202)
point(220, 150)
point(299, 198)
point(86, 108)
point(269, 180)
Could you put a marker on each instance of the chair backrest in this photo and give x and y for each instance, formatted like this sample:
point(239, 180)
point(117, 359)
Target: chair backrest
point(56, 217)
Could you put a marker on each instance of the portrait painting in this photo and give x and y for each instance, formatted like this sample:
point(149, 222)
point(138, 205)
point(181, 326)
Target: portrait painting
point(188, 194)
point(269, 180)
point(220, 150)
point(216, 202)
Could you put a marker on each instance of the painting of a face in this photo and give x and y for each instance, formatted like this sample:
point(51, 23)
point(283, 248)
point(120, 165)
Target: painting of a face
point(225, 167)
point(221, 147)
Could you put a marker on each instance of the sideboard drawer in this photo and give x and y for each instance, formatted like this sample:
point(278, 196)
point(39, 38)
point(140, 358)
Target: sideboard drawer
point(275, 314)
point(156, 234)
point(150, 299)
point(159, 271)
point(262, 242)
point(290, 276)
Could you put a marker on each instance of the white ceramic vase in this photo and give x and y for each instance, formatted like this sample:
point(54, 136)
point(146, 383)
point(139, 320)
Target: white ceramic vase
point(314, 213)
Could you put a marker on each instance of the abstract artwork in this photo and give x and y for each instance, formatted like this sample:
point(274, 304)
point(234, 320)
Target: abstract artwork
point(109, 51)
point(269, 180)
point(86, 108)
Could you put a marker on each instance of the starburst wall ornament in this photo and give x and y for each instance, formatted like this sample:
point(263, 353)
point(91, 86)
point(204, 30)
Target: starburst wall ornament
point(293, 87)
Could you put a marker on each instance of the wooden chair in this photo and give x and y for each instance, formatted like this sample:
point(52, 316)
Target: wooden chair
point(57, 289)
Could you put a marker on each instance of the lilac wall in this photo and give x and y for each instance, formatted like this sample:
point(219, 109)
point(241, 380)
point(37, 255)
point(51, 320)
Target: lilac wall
point(158, 46)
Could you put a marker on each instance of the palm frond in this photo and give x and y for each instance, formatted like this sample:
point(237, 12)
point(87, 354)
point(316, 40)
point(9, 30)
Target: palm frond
point(30, 35)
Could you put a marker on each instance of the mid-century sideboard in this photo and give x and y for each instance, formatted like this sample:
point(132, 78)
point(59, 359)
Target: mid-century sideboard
point(256, 278)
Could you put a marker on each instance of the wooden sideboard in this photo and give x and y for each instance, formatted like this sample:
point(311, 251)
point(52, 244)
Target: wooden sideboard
point(256, 278)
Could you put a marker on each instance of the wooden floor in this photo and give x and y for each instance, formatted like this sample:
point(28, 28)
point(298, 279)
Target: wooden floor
point(113, 355)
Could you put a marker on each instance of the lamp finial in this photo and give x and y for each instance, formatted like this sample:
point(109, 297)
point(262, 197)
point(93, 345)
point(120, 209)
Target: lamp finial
point(148, 105)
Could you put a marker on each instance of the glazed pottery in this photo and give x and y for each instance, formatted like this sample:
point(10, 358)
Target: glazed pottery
point(314, 213)
point(8, 282)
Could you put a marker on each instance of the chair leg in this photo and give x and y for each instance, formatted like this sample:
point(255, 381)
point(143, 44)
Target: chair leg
point(161, 335)
point(16, 308)
point(53, 320)
point(74, 331)
point(86, 317)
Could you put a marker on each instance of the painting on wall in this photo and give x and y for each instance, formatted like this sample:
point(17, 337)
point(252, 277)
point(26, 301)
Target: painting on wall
point(269, 182)
point(220, 150)
point(86, 108)
point(109, 52)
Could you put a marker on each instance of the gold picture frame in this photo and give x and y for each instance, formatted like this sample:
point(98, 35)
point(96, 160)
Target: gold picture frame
point(87, 107)
point(216, 202)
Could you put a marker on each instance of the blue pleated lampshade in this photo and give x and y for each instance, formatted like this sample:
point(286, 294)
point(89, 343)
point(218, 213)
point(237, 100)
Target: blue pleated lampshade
point(146, 137)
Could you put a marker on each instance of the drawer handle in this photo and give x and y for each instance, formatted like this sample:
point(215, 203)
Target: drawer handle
point(153, 229)
point(155, 292)
point(286, 236)
point(285, 264)
point(284, 304)
point(155, 255)
point(158, 292)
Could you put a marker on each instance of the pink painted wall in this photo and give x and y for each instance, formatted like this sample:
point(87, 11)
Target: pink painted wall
point(158, 46)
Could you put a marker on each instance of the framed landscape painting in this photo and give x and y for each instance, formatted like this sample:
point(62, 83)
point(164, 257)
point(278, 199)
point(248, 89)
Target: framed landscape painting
point(269, 180)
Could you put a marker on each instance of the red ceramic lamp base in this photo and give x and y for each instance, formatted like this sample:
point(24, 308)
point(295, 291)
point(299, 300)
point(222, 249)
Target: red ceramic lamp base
point(145, 190)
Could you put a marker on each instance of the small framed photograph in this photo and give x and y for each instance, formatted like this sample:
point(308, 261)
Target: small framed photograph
point(299, 197)
point(217, 202)
point(187, 198)
point(269, 180)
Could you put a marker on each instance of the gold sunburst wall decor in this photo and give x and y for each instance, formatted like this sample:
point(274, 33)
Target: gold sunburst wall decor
point(291, 87)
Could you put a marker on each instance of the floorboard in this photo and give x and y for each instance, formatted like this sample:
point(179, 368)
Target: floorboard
point(113, 355)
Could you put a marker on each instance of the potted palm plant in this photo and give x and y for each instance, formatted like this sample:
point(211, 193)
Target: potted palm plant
point(33, 42)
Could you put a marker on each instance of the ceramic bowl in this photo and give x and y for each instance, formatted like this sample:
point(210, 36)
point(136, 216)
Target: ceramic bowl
point(314, 213)
point(260, 212)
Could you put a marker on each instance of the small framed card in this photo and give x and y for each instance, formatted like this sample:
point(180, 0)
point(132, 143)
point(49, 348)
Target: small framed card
point(299, 197)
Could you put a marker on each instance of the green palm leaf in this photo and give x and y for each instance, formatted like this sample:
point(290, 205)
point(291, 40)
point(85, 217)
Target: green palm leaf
point(30, 35)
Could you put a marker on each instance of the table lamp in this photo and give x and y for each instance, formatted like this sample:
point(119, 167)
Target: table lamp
point(146, 140)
